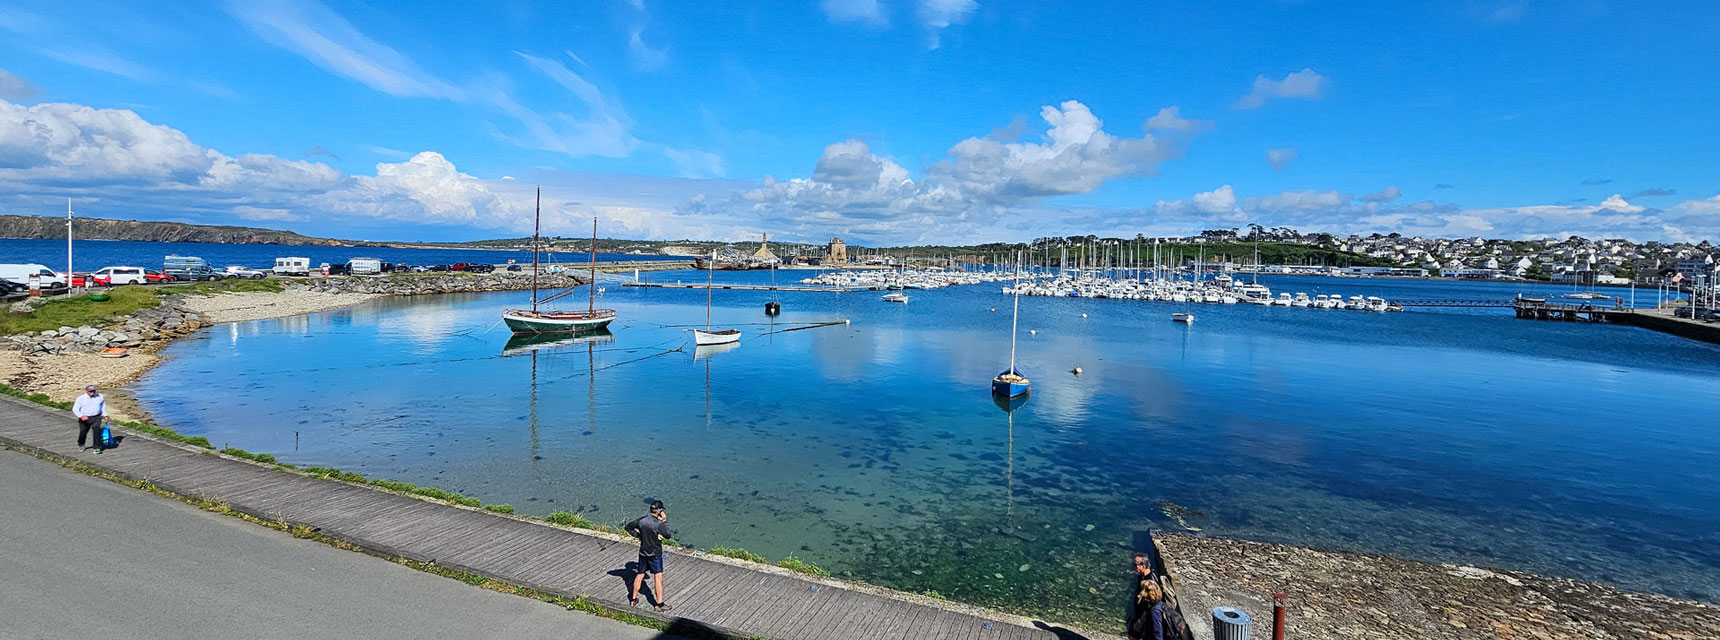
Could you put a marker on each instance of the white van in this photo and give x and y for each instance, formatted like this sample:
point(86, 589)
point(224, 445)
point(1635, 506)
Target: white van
point(122, 275)
point(364, 266)
point(20, 273)
point(292, 266)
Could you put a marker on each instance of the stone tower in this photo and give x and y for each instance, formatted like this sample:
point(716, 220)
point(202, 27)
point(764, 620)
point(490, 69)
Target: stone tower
point(838, 252)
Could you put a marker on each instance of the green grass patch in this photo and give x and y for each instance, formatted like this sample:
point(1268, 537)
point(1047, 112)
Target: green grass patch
point(738, 554)
point(79, 310)
point(567, 520)
point(792, 563)
point(499, 508)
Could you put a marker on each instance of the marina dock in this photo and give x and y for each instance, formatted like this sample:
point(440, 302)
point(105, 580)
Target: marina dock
point(737, 287)
point(710, 594)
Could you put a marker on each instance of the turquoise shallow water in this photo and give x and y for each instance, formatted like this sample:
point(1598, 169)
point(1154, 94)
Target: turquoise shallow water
point(873, 449)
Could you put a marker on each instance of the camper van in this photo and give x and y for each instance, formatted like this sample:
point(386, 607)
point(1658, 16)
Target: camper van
point(188, 268)
point(292, 266)
point(364, 266)
point(20, 273)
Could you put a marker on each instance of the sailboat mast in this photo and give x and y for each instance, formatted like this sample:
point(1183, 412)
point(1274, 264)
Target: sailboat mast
point(592, 306)
point(1014, 320)
point(710, 268)
point(537, 219)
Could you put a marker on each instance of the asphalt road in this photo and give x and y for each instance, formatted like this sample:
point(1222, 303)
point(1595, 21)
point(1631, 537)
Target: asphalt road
point(82, 557)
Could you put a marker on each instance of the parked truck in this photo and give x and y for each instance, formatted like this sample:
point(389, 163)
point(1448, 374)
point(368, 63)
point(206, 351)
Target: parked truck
point(364, 266)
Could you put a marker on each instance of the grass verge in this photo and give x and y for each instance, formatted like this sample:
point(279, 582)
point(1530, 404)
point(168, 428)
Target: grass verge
point(267, 285)
point(80, 310)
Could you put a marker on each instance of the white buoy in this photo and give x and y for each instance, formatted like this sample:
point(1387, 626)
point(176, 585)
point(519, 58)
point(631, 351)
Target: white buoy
point(1033, 332)
point(994, 309)
point(1083, 315)
point(1076, 370)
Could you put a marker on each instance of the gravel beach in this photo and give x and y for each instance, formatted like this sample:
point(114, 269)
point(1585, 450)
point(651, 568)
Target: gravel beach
point(242, 307)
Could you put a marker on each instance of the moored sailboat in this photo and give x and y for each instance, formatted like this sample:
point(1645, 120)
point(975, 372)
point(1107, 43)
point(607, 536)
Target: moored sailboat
point(707, 336)
point(534, 320)
point(1010, 383)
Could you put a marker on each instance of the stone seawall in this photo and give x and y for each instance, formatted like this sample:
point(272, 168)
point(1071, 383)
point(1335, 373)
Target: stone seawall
point(416, 284)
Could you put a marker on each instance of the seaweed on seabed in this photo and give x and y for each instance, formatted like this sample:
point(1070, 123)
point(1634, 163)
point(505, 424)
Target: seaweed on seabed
point(1176, 512)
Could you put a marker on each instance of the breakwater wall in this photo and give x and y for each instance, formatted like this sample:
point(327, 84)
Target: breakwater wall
point(421, 284)
point(1664, 322)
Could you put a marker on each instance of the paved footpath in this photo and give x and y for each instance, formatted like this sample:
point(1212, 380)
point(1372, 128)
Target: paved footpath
point(87, 558)
point(709, 595)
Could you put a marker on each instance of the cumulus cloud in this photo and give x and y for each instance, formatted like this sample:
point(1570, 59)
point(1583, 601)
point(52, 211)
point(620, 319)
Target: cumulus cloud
point(1281, 158)
point(1170, 119)
point(1617, 203)
point(854, 191)
point(869, 12)
point(13, 87)
point(937, 15)
point(67, 149)
point(1306, 84)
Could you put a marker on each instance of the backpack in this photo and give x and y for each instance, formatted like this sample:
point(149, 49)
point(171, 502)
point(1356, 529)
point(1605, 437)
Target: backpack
point(1175, 625)
point(106, 438)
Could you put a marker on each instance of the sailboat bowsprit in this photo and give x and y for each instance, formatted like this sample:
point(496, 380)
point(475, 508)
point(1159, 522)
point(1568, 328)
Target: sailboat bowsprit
point(534, 320)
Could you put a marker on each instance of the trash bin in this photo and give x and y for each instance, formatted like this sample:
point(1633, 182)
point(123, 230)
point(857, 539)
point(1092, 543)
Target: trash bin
point(1229, 623)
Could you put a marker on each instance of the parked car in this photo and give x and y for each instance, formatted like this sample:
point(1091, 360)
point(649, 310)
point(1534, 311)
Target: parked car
point(236, 271)
point(1682, 312)
point(121, 275)
point(335, 270)
point(479, 267)
point(189, 268)
point(20, 273)
point(9, 288)
point(291, 266)
point(89, 280)
point(513, 267)
point(438, 267)
point(152, 276)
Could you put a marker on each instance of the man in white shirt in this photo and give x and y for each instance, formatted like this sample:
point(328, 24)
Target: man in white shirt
point(90, 408)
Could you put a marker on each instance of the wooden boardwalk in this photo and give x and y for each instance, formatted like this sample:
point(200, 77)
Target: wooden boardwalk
point(708, 594)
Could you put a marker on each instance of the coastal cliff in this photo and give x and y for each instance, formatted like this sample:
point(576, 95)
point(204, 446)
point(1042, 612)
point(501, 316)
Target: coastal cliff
point(37, 227)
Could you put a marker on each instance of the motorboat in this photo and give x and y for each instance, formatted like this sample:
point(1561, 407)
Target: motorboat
point(896, 297)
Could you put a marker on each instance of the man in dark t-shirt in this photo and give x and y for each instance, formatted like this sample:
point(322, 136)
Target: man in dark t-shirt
point(650, 529)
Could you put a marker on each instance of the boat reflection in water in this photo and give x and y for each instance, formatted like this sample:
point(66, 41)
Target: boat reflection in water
point(1009, 405)
point(704, 351)
point(533, 342)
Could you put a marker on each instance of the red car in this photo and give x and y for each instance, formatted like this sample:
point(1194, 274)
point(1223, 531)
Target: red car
point(85, 280)
point(153, 276)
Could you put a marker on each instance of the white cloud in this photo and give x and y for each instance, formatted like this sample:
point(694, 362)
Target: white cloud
point(15, 88)
point(1170, 119)
point(329, 41)
point(869, 12)
point(855, 192)
point(1281, 158)
point(1306, 84)
point(1616, 203)
point(937, 15)
point(694, 163)
point(644, 55)
point(603, 131)
point(249, 212)
point(1387, 194)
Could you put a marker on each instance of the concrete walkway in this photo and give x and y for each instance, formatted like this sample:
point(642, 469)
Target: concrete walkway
point(87, 558)
point(710, 595)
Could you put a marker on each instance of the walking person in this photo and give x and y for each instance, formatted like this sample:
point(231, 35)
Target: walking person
point(1146, 605)
point(650, 529)
point(91, 409)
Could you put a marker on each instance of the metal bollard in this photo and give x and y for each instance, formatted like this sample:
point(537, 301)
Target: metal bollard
point(1229, 623)
point(1278, 600)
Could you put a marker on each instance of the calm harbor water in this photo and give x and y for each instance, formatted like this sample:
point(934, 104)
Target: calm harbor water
point(874, 449)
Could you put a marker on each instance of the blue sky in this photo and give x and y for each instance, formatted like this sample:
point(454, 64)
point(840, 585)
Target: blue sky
point(881, 121)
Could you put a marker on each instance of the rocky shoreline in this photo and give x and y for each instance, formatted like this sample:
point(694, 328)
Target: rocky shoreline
point(1356, 595)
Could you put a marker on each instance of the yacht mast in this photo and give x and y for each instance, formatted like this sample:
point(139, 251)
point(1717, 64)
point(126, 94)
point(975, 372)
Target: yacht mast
point(537, 217)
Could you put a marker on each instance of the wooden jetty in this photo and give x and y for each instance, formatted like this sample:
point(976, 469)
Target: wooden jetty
point(736, 287)
point(1540, 309)
point(710, 594)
